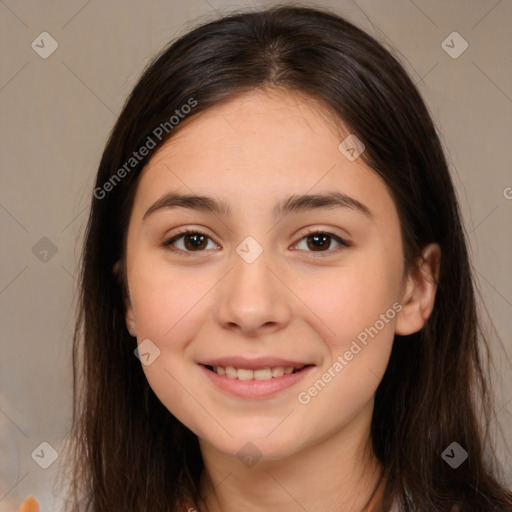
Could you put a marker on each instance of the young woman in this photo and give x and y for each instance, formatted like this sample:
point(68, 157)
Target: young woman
point(277, 308)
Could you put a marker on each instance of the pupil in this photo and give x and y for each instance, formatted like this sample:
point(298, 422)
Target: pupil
point(196, 240)
point(316, 239)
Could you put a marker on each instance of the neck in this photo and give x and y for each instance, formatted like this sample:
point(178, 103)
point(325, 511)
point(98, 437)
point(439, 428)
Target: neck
point(339, 472)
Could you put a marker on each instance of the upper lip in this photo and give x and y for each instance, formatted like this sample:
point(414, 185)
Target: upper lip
point(253, 364)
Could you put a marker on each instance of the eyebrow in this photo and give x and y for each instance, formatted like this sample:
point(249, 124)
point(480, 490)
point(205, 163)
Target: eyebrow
point(291, 204)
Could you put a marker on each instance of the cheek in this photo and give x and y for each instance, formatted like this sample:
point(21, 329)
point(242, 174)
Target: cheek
point(357, 308)
point(169, 306)
point(167, 300)
point(357, 312)
point(353, 298)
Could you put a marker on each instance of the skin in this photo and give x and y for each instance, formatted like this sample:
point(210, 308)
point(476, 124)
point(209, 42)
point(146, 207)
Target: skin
point(252, 151)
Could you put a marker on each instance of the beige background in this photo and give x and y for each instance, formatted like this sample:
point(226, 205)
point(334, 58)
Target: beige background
point(58, 112)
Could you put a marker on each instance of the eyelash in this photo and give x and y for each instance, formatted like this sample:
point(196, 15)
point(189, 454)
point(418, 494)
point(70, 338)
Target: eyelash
point(343, 243)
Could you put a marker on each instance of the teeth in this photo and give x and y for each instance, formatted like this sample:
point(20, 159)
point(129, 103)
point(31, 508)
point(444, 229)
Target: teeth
point(263, 374)
point(259, 374)
point(278, 372)
point(231, 372)
point(243, 374)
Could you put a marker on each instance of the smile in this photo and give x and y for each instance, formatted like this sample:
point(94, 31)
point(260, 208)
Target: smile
point(257, 383)
point(259, 374)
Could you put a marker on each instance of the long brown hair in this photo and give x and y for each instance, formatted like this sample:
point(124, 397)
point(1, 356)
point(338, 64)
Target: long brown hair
point(127, 451)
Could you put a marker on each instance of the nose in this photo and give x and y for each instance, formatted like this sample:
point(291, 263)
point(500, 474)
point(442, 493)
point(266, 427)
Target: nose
point(253, 299)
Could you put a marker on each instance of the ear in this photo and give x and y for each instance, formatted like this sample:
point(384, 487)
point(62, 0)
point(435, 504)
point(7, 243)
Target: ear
point(130, 316)
point(419, 292)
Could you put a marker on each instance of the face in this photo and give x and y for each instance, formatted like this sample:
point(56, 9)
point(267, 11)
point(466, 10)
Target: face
point(253, 286)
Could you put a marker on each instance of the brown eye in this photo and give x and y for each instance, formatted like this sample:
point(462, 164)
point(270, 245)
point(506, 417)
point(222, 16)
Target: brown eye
point(318, 242)
point(321, 241)
point(193, 241)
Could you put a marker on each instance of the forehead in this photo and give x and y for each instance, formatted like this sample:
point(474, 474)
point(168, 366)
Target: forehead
point(258, 147)
point(278, 118)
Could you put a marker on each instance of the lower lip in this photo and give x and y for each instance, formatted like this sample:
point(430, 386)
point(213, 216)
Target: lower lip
point(256, 388)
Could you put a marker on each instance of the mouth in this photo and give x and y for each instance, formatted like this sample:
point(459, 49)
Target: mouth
point(257, 374)
point(255, 383)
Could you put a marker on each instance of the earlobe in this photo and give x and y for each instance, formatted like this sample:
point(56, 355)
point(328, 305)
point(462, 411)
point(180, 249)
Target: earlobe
point(130, 319)
point(129, 316)
point(419, 292)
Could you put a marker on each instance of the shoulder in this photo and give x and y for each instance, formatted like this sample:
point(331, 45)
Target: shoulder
point(188, 506)
point(29, 505)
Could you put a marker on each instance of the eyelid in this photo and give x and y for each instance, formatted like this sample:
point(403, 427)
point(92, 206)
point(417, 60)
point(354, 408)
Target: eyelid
point(342, 241)
point(167, 244)
point(189, 230)
point(344, 244)
point(328, 231)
